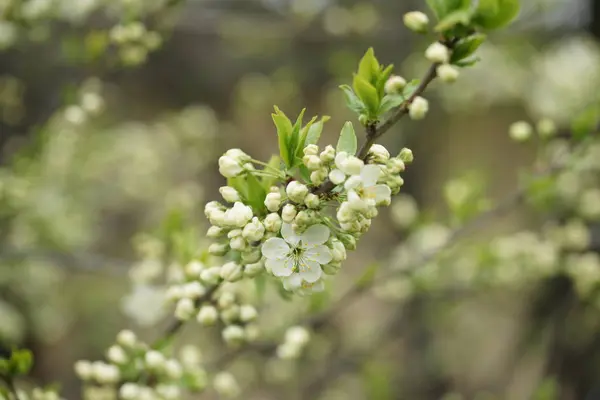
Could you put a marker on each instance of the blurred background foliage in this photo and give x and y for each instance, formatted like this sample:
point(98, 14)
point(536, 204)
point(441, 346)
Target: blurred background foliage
point(109, 135)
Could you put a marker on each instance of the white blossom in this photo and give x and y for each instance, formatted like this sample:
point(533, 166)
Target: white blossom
point(273, 201)
point(207, 315)
point(239, 215)
point(416, 21)
point(296, 191)
point(254, 230)
point(447, 73)
point(395, 84)
point(418, 108)
point(288, 213)
point(437, 53)
point(184, 309)
point(226, 385)
point(233, 334)
point(126, 338)
point(366, 188)
point(231, 271)
point(248, 313)
point(298, 255)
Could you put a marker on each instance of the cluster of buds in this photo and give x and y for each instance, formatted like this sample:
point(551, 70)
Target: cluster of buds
point(203, 293)
point(130, 361)
point(290, 233)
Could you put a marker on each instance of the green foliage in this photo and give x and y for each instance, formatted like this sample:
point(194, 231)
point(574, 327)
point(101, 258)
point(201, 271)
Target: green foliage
point(284, 135)
point(251, 190)
point(314, 131)
point(19, 363)
point(466, 47)
point(495, 14)
point(489, 14)
point(347, 141)
point(368, 87)
point(587, 122)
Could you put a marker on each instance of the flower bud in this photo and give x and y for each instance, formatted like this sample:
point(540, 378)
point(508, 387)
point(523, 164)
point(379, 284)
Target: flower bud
point(273, 201)
point(226, 300)
point(395, 166)
point(193, 268)
point(184, 309)
point(349, 241)
point(328, 154)
point(437, 53)
point(288, 351)
point(416, 21)
point(229, 167)
point(288, 213)
point(318, 177)
point(332, 268)
point(311, 150)
point(297, 335)
point(378, 153)
point(193, 290)
point(447, 73)
point(272, 222)
point(218, 249)
point(231, 314)
point(296, 191)
point(520, 131)
point(303, 219)
point(406, 155)
point(239, 215)
point(116, 355)
point(129, 391)
point(312, 200)
point(173, 369)
point(338, 251)
point(207, 315)
point(418, 108)
point(231, 272)
point(105, 373)
point(248, 313)
point(254, 269)
point(395, 84)
point(154, 360)
point(312, 162)
point(254, 230)
point(84, 370)
point(233, 334)
point(251, 256)
point(168, 392)
point(126, 338)
point(229, 194)
point(546, 128)
point(226, 385)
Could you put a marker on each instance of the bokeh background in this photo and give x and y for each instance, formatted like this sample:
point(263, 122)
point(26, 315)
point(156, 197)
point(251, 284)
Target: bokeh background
point(95, 156)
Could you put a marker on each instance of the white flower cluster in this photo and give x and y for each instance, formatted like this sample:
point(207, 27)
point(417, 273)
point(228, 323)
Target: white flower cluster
point(291, 234)
point(36, 394)
point(204, 293)
point(130, 361)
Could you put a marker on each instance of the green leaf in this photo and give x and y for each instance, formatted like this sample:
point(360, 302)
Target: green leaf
point(467, 62)
point(314, 132)
point(368, 94)
point(389, 102)
point(410, 88)
point(466, 47)
point(441, 8)
point(382, 79)
point(284, 135)
point(368, 67)
point(299, 153)
point(494, 14)
point(347, 140)
point(295, 138)
point(458, 17)
point(256, 193)
point(368, 276)
point(304, 173)
point(268, 181)
point(21, 362)
point(352, 100)
point(587, 122)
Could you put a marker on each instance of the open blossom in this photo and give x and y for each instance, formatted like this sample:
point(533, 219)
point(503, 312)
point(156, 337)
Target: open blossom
point(363, 188)
point(298, 257)
point(345, 165)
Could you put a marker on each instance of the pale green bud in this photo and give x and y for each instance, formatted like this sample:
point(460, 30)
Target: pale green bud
point(416, 21)
point(520, 131)
point(395, 84)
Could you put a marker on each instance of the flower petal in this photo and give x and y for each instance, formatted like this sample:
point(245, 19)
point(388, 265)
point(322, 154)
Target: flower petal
point(275, 248)
point(369, 175)
point(379, 193)
point(321, 254)
point(280, 267)
point(340, 160)
point(310, 270)
point(289, 235)
point(315, 235)
point(292, 282)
